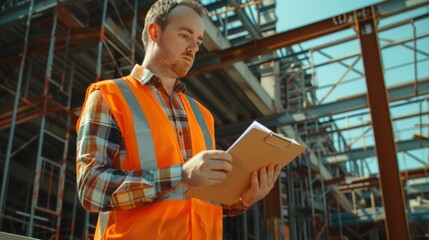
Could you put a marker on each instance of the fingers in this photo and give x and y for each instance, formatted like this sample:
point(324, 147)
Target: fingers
point(207, 168)
point(254, 180)
point(218, 155)
point(263, 180)
point(278, 169)
point(261, 183)
point(216, 175)
point(219, 165)
point(268, 176)
point(217, 160)
point(270, 173)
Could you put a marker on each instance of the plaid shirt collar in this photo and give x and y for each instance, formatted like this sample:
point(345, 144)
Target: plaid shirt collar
point(145, 76)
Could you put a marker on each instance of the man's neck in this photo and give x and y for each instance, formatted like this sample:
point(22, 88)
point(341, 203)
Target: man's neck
point(167, 82)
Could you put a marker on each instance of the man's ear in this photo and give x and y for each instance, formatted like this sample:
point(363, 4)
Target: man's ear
point(153, 32)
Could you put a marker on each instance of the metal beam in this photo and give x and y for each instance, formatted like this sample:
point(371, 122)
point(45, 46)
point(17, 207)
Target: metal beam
point(244, 18)
point(216, 5)
point(5, 178)
point(269, 44)
point(39, 161)
point(17, 14)
point(366, 123)
point(396, 93)
point(393, 195)
point(370, 151)
point(221, 58)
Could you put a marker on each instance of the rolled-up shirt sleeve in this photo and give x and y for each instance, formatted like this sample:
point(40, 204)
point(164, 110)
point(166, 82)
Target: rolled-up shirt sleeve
point(101, 183)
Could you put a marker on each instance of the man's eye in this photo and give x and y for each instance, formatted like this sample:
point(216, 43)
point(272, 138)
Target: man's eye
point(184, 36)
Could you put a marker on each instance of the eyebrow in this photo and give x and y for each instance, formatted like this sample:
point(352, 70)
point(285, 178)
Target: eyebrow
point(190, 31)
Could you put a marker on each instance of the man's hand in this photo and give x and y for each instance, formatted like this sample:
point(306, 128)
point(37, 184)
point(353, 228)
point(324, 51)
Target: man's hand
point(207, 168)
point(261, 183)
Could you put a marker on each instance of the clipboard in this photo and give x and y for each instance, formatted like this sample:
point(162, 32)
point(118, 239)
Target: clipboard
point(257, 147)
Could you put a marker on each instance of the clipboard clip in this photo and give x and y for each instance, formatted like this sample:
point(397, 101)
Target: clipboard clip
point(273, 135)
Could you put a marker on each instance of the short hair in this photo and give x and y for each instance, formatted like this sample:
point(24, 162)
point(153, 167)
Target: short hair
point(160, 10)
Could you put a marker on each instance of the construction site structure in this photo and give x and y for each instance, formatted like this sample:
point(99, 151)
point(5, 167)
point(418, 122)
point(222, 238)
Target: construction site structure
point(335, 85)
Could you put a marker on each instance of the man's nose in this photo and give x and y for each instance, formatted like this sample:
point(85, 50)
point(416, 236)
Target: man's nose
point(194, 47)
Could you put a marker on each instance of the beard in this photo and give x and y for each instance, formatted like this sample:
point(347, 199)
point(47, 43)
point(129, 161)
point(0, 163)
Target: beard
point(175, 67)
point(180, 69)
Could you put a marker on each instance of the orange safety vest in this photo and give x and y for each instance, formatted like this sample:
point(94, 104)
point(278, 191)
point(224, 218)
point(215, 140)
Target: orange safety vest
point(151, 143)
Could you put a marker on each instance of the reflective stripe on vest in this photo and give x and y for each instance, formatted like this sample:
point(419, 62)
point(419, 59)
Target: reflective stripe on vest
point(144, 140)
point(201, 121)
point(103, 220)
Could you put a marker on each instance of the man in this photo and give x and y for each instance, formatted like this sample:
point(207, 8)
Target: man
point(142, 142)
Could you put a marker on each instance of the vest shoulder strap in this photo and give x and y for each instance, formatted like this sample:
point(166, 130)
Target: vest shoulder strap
point(201, 121)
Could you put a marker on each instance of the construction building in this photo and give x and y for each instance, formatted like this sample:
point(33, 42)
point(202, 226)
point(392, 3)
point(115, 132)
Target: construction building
point(352, 88)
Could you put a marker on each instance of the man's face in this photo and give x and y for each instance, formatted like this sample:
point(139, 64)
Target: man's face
point(179, 41)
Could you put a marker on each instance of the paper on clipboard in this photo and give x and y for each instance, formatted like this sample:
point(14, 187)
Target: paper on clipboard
point(255, 148)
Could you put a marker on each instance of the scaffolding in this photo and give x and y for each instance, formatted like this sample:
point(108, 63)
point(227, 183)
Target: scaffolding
point(44, 102)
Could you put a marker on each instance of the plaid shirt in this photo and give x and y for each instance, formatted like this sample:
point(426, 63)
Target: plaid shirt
point(101, 153)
